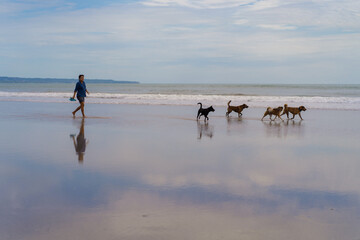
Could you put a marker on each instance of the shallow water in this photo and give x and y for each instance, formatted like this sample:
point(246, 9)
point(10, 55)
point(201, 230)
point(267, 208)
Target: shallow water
point(153, 172)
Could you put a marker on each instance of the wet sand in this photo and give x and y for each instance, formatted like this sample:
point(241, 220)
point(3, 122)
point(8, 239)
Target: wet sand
point(153, 172)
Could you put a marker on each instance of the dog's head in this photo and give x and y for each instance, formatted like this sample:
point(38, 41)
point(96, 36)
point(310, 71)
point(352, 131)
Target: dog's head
point(302, 108)
point(279, 109)
point(245, 106)
point(211, 109)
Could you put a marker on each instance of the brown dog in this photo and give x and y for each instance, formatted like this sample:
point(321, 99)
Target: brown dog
point(293, 110)
point(237, 109)
point(273, 111)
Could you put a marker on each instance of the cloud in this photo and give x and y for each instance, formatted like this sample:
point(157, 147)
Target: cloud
point(200, 4)
point(265, 4)
point(185, 36)
point(22, 8)
point(276, 26)
point(241, 21)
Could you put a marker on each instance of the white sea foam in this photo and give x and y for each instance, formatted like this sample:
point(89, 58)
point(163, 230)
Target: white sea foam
point(350, 103)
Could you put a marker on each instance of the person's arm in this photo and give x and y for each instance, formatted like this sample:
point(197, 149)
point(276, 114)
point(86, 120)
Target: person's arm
point(75, 90)
point(75, 145)
point(86, 89)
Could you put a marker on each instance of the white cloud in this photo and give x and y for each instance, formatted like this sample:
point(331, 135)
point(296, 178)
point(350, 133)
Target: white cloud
point(241, 21)
point(265, 4)
point(310, 14)
point(200, 4)
point(277, 26)
point(185, 40)
point(17, 7)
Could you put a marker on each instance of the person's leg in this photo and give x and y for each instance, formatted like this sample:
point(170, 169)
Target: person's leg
point(77, 109)
point(82, 105)
point(81, 101)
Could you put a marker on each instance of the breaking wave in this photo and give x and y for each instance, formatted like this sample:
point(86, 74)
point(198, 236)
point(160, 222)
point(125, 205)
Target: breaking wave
point(316, 102)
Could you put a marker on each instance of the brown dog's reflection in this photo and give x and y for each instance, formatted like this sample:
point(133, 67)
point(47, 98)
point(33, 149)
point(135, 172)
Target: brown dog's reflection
point(293, 122)
point(235, 125)
point(205, 129)
point(80, 142)
point(283, 129)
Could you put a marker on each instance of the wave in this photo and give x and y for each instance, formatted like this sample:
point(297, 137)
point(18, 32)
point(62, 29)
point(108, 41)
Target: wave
point(315, 102)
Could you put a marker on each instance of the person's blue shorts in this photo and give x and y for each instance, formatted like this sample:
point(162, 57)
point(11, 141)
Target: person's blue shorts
point(81, 99)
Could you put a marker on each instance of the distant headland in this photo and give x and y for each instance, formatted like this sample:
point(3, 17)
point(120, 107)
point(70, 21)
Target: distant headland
point(58, 80)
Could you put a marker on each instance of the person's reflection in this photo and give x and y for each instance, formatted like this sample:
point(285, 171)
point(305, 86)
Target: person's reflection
point(204, 129)
point(80, 142)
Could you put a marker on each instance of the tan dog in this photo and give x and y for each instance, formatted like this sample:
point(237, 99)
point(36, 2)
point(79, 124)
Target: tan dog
point(237, 109)
point(273, 111)
point(293, 110)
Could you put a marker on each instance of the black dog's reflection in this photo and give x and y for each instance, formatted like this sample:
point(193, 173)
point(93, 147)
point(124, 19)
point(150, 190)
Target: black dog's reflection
point(205, 129)
point(80, 142)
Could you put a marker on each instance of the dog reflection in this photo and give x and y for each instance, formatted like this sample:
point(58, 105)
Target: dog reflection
point(80, 142)
point(205, 129)
point(283, 129)
point(274, 129)
point(293, 122)
point(234, 121)
point(234, 125)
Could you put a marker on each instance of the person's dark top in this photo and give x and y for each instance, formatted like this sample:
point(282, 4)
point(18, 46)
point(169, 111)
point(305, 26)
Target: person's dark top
point(80, 88)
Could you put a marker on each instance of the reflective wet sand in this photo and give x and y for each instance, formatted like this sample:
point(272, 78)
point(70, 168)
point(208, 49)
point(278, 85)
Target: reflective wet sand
point(153, 172)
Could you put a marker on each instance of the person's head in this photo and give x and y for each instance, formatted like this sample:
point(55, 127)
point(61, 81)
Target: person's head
point(81, 77)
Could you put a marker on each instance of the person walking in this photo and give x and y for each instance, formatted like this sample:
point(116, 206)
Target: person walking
point(80, 91)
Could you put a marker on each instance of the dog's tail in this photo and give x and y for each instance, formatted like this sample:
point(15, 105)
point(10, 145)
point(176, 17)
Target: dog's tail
point(269, 109)
point(200, 104)
point(285, 106)
point(229, 103)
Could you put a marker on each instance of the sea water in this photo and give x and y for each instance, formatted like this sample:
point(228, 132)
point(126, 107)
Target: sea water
point(309, 95)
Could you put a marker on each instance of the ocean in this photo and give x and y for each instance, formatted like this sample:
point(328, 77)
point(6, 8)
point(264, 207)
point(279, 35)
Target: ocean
point(273, 95)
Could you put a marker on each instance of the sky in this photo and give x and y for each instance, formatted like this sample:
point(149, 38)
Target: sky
point(183, 41)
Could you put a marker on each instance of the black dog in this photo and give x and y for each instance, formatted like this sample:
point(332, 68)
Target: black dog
point(204, 112)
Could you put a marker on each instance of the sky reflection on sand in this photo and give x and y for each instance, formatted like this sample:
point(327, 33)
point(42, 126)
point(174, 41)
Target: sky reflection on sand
point(156, 179)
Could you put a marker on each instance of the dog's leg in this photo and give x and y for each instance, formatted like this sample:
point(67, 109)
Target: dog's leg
point(264, 116)
point(201, 115)
point(280, 117)
point(293, 116)
point(300, 116)
point(287, 114)
point(198, 115)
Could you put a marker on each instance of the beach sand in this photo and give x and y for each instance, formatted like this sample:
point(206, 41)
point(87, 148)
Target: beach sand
point(154, 172)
